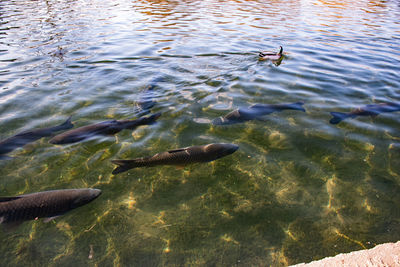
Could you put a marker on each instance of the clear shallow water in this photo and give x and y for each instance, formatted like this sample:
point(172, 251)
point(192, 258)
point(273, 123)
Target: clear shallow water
point(298, 189)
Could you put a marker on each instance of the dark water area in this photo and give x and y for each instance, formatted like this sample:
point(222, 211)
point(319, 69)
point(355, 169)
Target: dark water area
point(298, 189)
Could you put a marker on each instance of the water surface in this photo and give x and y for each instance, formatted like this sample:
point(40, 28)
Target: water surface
point(298, 189)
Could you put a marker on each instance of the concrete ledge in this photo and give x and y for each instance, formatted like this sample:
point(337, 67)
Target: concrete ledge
point(387, 254)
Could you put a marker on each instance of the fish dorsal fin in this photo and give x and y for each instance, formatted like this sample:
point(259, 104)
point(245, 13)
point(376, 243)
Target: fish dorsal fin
point(177, 150)
point(5, 199)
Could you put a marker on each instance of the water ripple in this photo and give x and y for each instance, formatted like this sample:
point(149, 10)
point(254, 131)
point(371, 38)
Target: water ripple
point(294, 174)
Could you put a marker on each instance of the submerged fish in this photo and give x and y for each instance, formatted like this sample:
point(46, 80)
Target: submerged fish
point(26, 137)
point(147, 96)
point(146, 102)
point(102, 128)
point(255, 112)
point(180, 156)
point(47, 204)
point(369, 110)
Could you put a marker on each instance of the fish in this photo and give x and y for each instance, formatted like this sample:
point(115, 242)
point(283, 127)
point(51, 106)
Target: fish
point(271, 55)
point(47, 204)
point(179, 157)
point(23, 138)
point(255, 112)
point(103, 128)
point(372, 110)
point(146, 102)
point(146, 99)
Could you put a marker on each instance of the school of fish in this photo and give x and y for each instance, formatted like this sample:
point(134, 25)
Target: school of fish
point(50, 204)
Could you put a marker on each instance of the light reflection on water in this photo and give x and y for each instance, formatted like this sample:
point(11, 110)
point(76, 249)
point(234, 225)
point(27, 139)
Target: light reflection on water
point(298, 188)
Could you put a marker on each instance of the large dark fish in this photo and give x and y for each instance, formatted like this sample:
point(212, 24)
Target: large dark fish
point(102, 128)
point(49, 204)
point(180, 156)
point(26, 137)
point(369, 110)
point(255, 112)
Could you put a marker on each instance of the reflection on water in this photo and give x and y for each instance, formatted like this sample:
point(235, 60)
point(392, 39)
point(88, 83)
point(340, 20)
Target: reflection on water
point(298, 189)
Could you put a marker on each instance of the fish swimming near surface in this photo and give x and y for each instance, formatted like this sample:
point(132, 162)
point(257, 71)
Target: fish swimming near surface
point(102, 128)
point(146, 102)
point(21, 139)
point(369, 110)
point(179, 157)
point(147, 96)
point(47, 204)
point(255, 112)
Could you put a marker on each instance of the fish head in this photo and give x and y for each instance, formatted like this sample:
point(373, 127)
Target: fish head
point(67, 137)
point(221, 149)
point(155, 116)
point(236, 116)
point(84, 196)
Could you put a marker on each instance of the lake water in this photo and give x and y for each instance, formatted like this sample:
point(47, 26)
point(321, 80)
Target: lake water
point(298, 189)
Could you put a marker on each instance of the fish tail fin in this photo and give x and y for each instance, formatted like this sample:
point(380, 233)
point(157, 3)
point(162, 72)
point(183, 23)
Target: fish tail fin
point(338, 117)
point(124, 165)
point(67, 124)
point(297, 106)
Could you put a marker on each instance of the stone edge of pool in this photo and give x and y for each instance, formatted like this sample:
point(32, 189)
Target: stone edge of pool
point(387, 254)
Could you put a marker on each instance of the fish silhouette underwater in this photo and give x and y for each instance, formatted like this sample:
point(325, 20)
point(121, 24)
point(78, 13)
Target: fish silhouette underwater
point(179, 157)
point(372, 110)
point(146, 101)
point(255, 112)
point(46, 204)
point(23, 138)
point(147, 98)
point(102, 128)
